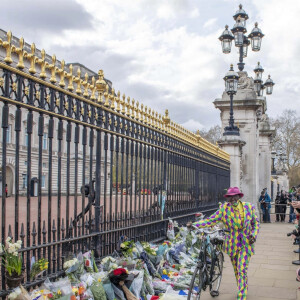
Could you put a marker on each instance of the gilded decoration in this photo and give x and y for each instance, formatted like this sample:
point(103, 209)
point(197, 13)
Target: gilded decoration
point(95, 91)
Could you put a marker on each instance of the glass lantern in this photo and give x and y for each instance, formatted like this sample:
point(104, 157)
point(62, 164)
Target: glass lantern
point(256, 36)
point(269, 85)
point(242, 15)
point(231, 81)
point(258, 70)
point(226, 40)
point(238, 31)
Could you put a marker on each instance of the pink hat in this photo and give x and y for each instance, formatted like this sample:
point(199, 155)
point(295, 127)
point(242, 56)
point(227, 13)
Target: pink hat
point(232, 191)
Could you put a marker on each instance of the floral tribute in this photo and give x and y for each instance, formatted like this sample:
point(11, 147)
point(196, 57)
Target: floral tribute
point(135, 271)
point(11, 257)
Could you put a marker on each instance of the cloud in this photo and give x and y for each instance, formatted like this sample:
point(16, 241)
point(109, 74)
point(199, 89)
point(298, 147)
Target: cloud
point(209, 23)
point(39, 18)
point(166, 54)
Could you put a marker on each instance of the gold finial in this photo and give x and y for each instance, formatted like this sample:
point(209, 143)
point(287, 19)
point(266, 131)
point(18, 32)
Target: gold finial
point(161, 123)
point(132, 108)
point(146, 115)
point(106, 104)
point(112, 99)
point(166, 118)
point(123, 104)
point(85, 85)
point(128, 106)
point(149, 117)
point(137, 111)
point(100, 86)
point(42, 63)
point(78, 81)
point(142, 113)
point(20, 51)
point(118, 100)
point(93, 88)
point(7, 46)
point(62, 72)
point(32, 59)
point(70, 77)
point(52, 69)
point(156, 120)
point(100, 83)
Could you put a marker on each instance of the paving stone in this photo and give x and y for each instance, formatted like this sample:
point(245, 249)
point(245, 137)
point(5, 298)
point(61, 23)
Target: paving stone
point(275, 267)
point(276, 292)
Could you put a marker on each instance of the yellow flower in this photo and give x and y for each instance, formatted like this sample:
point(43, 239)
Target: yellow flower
point(99, 279)
point(59, 292)
point(165, 272)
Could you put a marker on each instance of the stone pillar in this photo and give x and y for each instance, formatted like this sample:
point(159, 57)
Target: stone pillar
point(248, 109)
point(266, 134)
point(233, 144)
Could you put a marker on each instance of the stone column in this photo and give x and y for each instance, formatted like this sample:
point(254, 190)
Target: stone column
point(248, 109)
point(266, 134)
point(233, 144)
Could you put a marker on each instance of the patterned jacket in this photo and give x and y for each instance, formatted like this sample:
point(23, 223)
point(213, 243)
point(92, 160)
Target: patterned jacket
point(239, 234)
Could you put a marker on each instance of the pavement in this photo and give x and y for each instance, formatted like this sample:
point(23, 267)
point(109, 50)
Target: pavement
point(271, 274)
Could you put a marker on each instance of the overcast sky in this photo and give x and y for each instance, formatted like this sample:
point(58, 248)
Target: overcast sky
point(165, 54)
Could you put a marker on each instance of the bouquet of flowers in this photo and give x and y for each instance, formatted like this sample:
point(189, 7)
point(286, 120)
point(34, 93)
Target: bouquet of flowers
point(74, 268)
point(127, 248)
point(38, 268)
point(12, 259)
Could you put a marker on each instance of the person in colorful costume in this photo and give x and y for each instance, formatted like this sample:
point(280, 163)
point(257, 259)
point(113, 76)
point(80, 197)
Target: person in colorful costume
point(240, 219)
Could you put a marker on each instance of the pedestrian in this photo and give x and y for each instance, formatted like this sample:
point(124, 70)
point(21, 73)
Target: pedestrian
point(240, 219)
point(277, 207)
point(283, 202)
point(265, 205)
point(291, 198)
point(6, 191)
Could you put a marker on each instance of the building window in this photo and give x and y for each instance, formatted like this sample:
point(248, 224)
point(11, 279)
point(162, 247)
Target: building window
point(8, 134)
point(25, 163)
point(43, 181)
point(45, 141)
point(44, 165)
point(24, 181)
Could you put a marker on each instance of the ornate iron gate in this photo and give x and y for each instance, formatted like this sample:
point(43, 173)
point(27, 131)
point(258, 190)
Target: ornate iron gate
point(89, 165)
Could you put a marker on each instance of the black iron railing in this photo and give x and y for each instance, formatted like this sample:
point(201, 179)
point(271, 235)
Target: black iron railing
point(80, 169)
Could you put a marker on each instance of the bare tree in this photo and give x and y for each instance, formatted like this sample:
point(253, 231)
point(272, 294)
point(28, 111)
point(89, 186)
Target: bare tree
point(287, 137)
point(213, 135)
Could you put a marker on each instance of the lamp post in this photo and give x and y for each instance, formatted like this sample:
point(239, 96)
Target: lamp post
point(273, 156)
point(238, 34)
point(231, 82)
point(242, 41)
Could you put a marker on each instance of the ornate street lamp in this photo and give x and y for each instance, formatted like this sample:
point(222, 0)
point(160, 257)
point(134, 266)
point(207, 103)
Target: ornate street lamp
point(240, 39)
point(269, 85)
point(231, 82)
point(259, 86)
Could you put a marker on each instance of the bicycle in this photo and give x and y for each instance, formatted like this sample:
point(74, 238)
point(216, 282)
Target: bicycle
point(209, 267)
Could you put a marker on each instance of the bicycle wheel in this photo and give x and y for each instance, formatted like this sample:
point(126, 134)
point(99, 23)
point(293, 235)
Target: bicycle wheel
point(216, 277)
point(196, 285)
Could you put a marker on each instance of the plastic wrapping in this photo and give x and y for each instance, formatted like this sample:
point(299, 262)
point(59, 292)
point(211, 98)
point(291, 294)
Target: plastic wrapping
point(137, 284)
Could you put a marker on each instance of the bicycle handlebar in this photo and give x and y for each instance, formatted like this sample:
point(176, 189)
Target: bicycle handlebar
point(208, 231)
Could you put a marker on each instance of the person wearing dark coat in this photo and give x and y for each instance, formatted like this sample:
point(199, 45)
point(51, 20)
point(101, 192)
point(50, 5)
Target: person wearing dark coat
point(277, 206)
point(283, 203)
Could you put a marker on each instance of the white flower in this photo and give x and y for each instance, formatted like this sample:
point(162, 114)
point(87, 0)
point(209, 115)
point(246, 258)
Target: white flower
point(113, 266)
point(11, 249)
point(17, 245)
point(123, 245)
point(70, 263)
point(1, 248)
point(8, 239)
point(16, 253)
point(19, 242)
